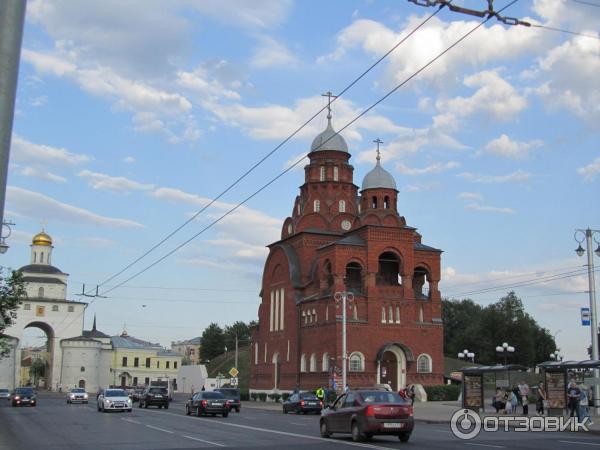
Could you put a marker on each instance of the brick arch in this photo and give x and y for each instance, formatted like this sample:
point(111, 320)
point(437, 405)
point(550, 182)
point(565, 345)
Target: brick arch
point(391, 220)
point(370, 219)
point(312, 221)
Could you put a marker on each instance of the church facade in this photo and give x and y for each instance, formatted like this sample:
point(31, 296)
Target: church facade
point(340, 238)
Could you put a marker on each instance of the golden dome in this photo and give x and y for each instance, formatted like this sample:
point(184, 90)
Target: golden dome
point(42, 239)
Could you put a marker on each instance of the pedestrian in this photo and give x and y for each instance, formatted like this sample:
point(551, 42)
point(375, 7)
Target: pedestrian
point(515, 390)
point(524, 395)
point(541, 399)
point(411, 394)
point(514, 402)
point(203, 388)
point(584, 403)
point(498, 400)
point(573, 395)
point(297, 389)
point(192, 390)
point(346, 388)
point(320, 393)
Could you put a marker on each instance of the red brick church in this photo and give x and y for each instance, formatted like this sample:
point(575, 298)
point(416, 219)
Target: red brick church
point(340, 238)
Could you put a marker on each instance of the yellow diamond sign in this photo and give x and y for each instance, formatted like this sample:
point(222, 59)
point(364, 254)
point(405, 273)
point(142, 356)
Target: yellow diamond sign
point(234, 372)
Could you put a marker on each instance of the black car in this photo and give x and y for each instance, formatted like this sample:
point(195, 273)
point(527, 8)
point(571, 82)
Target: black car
point(154, 396)
point(206, 402)
point(136, 394)
point(233, 398)
point(303, 403)
point(23, 396)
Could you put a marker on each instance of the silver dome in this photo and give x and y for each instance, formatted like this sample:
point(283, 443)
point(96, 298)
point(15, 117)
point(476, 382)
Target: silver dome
point(378, 178)
point(329, 140)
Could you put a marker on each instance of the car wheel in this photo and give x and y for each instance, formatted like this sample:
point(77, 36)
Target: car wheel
point(404, 437)
point(160, 406)
point(167, 406)
point(298, 411)
point(225, 414)
point(357, 435)
point(237, 410)
point(368, 436)
point(68, 402)
point(324, 431)
point(187, 410)
point(98, 406)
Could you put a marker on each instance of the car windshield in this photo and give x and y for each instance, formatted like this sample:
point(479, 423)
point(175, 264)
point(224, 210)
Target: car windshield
point(381, 397)
point(78, 391)
point(3, 390)
point(158, 391)
point(212, 395)
point(308, 396)
point(230, 393)
point(115, 393)
point(24, 391)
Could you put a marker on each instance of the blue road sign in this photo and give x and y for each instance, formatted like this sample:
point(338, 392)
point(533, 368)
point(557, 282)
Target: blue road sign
point(585, 317)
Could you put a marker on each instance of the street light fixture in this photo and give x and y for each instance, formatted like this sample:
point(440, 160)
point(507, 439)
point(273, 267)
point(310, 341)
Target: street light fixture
point(3, 237)
point(346, 298)
point(505, 349)
point(589, 237)
point(466, 354)
point(556, 355)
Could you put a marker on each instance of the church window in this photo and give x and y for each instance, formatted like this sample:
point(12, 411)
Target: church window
point(147, 381)
point(34, 257)
point(383, 314)
point(82, 369)
point(389, 269)
point(136, 362)
point(313, 362)
point(148, 363)
point(420, 283)
point(276, 324)
point(27, 307)
point(354, 277)
point(303, 363)
point(266, 347)
point(355, 312)
point(42, 257)
point(174, 364)
point(317, 205)
point(304, 317)
point(158, 364)
point(359, 208)
point(256, 353)
point(386, 202)
point(325, 363)
point(41, 292)
point(168, 364)
point(314, 313)
point(124, 362)
point(424, 363)
point(374, 202)
point(322, 173)
point(281, 311)
point(54, 307)
point(336, 175)
point(390, 314)
point(271, 328)
point(342, 206)
point(357, 362)
point(298, 208)
point(326, 313)
point(135, 381)
point(397, 314)
point(71, 309)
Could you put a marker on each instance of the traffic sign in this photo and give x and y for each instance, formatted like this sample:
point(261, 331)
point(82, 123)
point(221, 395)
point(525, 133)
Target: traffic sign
point(233, 381)
point(234, 372)
point(585, 317)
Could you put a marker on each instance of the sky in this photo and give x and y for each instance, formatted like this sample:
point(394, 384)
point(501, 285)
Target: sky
point(131, 116)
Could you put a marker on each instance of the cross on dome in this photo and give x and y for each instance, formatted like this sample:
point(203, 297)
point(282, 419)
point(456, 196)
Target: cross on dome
point(378, 141)
point(329, 96)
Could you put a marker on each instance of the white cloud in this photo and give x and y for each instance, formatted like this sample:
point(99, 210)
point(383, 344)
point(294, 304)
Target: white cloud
point(486, 208)
point(470, 196)
point(39, 206)
point(96, 242)
point(34, 171)
point(433, 168)
point(513, 177)
point(104, 182)
point(129, 159)
point(504, 146)
point(590, 171)
point(273, 54)
point(25, 151)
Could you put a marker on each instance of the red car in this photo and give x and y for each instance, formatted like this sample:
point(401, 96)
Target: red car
point(367, 412)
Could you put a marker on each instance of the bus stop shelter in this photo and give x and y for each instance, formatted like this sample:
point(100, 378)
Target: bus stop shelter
point(474, 385)
point(557, 375)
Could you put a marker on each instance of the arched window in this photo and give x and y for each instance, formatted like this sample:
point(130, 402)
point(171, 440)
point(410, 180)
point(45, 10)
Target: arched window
point(342, 206)
point(355, 312)
point(374, 203)
point(41, 292)
point(383, 314)
point(322, 173)
point(386, 202)
point(359, 208)
point(34, 257)
point(303, 363)
point(390, 314)
point(354, 277)
point(313, 362)
point(397, 314)
point(424, 363)
point(421, 283)
point(357, 362)
point(256, 353)
point(317, 206)
point(325, 362)
point(305, 317)
point(336, 175)
point(298, 208)
point(314, 313)
point(389, 269)
point(42, 257)
point(421, 319)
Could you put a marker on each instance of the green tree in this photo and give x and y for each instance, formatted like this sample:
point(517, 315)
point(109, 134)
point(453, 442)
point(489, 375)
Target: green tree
point(38, 370)
point(242, 331)
point(213, 342)
point(12, 294)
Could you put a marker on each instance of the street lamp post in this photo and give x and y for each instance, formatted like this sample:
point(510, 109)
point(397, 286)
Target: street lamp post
point(466, 355)
point(505, 349)
point(589, 237)
point(556, 355)
point(344, 297)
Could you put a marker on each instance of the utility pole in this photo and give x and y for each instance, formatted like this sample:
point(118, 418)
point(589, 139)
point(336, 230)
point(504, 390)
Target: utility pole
point(344, 297)
point(236, 351)
point(12, 17)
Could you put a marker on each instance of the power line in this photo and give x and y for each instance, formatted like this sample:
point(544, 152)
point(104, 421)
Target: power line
point(588, 3)
point(179, 288)
point(265, 157)
point(560, 30)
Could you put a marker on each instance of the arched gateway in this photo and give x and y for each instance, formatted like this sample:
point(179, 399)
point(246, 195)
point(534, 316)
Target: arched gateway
point(46, 308)
point(391, 365)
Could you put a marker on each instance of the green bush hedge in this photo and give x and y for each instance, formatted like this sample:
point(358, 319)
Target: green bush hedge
point(244, 394)
point(285, 396)
point(442, 392)
point(262, 396)
point(254, 396)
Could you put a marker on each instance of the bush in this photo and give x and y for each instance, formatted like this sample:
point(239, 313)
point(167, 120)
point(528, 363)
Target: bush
point(244, 394)
point(285, 396)
point(444, 392)
point(254, 396)
point(275, 397)
point(262, 396)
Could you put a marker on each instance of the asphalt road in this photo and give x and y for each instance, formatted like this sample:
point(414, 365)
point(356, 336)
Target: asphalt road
point(54, 425)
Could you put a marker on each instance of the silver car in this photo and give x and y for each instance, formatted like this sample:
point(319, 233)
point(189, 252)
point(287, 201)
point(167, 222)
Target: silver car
point(5, 394)
point(114, 400)
point(76, 395)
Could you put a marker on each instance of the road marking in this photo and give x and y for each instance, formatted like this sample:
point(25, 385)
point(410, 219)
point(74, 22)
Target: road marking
point(266, 430)
point(580, 443)
point(202, 440)
point(485, 445)
point(442, 431)
point(297, 423)
point(160, 429)
point(132, 421)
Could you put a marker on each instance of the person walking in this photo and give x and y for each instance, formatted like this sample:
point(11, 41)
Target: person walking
point(524, 396)
point(541, 399)
point(346, 388)
point(511, 402)
point(499, 402)
point(573, 395)
point(584, 410)
point(320, 393)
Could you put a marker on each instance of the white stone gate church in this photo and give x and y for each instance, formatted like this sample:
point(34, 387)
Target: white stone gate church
point(75, 357)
